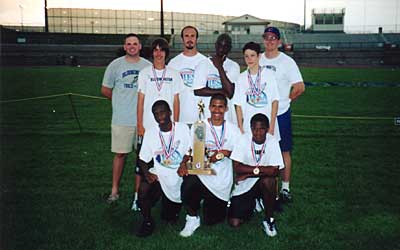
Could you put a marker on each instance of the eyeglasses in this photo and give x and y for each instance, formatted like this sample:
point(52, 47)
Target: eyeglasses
point(270, 38)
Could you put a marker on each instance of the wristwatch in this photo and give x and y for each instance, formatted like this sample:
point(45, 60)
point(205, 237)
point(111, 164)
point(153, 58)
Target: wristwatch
point(256, 171)
point(219, 156)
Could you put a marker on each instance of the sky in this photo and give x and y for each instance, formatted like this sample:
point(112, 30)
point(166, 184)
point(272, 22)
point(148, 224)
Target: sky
point(361, 15)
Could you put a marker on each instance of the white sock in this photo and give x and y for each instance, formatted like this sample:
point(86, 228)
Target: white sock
point(285, 185)
point(135, 196)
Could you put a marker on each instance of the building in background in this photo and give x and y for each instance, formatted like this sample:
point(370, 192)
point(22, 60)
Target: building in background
point(327, 20)
point(248, 24)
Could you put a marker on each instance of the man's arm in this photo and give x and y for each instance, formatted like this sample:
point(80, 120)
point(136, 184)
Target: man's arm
point(239, 116)
point(145, 170)
point(176, 107)
point(107, 92)
point(227, 85)
point(206, 91)
point(297, 89)
point(182, 170)
point(140, 105)
point(274, 112)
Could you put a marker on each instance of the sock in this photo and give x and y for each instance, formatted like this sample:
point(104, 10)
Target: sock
point(135, 196)
point(285, 185)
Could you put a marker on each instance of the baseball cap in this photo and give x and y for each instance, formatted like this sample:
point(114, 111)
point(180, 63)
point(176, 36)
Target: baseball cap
point(273, 30)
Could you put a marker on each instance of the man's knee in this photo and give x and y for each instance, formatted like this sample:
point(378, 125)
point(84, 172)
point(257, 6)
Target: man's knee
point(268, 183)
point(120, 155)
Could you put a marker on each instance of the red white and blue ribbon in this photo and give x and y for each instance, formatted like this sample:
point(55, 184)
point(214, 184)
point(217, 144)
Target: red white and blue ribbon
point(219, 142)
point(159, 83)
point(167, 150)
point(255, 87)
point(253, 152)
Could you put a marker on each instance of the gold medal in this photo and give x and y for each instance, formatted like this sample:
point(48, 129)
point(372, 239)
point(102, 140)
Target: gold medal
point(220, 156)
point(167, 162)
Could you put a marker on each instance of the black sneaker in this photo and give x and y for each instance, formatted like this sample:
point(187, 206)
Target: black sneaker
point(285, 196)
point(146, 229)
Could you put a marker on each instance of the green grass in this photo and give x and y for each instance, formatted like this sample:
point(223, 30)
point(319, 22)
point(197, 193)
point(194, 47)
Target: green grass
point(345, 173)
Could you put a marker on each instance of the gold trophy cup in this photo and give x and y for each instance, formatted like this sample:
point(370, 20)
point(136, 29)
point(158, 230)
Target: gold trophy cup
point(200, 164)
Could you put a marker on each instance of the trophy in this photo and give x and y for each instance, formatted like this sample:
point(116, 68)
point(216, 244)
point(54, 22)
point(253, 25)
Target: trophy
point(200, 165)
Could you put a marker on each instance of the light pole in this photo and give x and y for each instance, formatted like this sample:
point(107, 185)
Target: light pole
point(21, 7)
point(162, 19)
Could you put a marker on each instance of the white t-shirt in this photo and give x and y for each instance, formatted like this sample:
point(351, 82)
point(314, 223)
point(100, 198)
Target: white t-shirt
point(272, 156)
point(121, 76)
point(186, 66)
point(287, 73)
point(256, 99)
point(164, 86)
point(221, 183)
point(166, 171)
point(207, 75)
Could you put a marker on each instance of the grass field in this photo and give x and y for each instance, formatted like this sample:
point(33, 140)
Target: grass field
point(53, 178)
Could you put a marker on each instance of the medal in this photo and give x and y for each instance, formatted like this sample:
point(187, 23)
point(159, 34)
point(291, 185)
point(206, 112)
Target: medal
point(253, 153)
point(255, 87)
point(219, 142)
point(159, 84)
point(219, 156)
point(167, 150)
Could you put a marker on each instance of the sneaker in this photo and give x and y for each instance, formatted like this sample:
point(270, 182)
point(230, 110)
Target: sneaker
point(112, 198)
point(135, 206)
point(192, 223)
point(270, 227)
point(285, 196)
point(259, 206)
point(146, 229)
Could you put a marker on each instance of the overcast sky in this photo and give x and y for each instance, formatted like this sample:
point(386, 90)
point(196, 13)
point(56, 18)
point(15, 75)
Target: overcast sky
point(360, 14)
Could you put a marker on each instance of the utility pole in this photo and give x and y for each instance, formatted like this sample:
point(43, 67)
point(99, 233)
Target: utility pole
point(162, 19)
point(305, 15)
point(46, 21)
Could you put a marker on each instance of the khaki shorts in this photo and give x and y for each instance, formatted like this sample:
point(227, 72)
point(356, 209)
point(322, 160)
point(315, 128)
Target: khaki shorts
point(122, 139)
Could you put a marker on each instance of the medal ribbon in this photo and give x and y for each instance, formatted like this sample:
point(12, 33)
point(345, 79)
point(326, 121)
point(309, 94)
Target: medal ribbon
point(253, 152)
point(218, 142)
point(255, 87)
point(167, 151)
point(159, 84)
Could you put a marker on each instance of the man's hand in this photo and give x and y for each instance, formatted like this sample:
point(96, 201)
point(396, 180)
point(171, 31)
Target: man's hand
point(182, 170)
point(218, 61)
point(140, 130)
point(150, 178)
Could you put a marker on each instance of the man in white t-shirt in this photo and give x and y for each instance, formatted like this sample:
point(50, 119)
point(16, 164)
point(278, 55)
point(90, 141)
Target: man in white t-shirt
point(165, 145)
point(291, 86)
point(186, 63)
point(217, 75)
point(256, 92)
point(157, 82)
point(120, 86)
point(257, 160)
point(215, 190)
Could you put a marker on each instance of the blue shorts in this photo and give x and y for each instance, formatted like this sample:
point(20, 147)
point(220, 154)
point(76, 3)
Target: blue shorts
point(285, 129)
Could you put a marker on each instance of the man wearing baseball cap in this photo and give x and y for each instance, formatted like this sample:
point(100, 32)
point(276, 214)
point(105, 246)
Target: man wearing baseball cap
point(290, 86)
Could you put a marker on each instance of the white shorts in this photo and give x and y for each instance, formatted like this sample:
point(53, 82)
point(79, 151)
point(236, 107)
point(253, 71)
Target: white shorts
point(122, 139)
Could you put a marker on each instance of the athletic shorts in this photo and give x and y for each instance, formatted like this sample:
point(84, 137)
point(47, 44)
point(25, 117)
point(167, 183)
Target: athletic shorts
point(285, 129)
point(193, 191)
point(122, 139)
point(242, 206)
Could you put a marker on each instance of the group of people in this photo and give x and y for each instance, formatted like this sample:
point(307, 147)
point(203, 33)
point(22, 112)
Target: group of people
point(248, 128)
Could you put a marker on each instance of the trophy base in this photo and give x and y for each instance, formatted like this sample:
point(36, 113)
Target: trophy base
point(207, 171)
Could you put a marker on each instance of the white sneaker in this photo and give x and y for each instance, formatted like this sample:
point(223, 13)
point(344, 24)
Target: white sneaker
point(259, 205)
point(192, 223)
point(135, 206)
point(270, 227)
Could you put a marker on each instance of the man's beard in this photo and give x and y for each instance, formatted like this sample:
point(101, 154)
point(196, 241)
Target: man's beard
point(189, 46)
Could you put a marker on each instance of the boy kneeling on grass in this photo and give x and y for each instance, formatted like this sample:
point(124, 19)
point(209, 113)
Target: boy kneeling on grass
point(257, 160)
point(165, 144)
